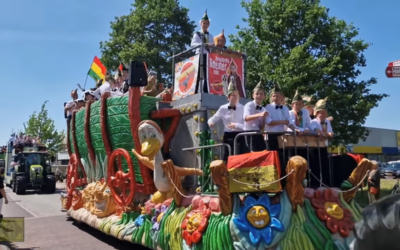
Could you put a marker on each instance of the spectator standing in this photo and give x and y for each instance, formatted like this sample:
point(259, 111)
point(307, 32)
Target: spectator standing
point(3, 195)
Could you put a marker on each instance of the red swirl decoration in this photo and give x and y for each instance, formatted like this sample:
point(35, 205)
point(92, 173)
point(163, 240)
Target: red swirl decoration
point(103, 123)
point(148, 186)
point(68, 137)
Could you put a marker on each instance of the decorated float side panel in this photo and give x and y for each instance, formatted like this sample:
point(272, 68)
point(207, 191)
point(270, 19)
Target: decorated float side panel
point(80, 134)
point(119, 130)
point(95, 132)
point(119, 126)
point(70, 137)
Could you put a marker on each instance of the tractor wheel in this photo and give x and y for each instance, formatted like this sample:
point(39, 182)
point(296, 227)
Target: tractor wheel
point(13, 185)
point(50, 184)
point(20, 184)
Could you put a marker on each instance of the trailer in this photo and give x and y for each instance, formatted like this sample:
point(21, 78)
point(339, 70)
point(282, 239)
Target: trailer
point(149, 171)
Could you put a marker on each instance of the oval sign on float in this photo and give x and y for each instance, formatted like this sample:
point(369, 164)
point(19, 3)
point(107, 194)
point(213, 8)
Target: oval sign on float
point(186, 77)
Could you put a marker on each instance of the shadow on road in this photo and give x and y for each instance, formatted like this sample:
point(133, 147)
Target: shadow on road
point(39, 192)
point(11, 246)
point(109, 240)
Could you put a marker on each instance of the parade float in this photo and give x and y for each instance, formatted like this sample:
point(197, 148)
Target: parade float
point(148, 170)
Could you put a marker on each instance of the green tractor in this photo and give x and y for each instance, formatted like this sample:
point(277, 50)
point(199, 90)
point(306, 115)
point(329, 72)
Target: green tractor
point(30, 170)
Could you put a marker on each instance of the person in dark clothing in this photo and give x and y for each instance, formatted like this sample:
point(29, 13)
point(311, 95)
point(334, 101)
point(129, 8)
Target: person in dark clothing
point(2, 192)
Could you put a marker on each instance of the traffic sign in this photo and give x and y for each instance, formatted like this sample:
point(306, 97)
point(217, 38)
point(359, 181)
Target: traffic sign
point(392, 72)
point(394, 63)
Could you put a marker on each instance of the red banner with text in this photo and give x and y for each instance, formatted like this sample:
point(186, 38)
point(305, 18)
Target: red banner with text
point(221, 68)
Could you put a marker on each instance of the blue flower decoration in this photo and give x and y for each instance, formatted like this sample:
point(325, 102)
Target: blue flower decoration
point(259, 217)
point(140, 220)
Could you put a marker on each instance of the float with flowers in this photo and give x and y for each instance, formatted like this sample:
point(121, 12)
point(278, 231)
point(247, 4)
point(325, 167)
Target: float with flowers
point(148, 170)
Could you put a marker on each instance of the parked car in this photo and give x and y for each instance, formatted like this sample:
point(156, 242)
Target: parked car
point(392, 169)
point(382, 166)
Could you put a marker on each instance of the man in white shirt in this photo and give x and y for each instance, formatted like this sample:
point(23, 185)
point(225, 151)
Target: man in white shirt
point(279, 118)
point(299, 116)
point(105, 87)
point(321, 125)
point(231, 115)
point(309, 103)
point(88, 95)
point(71, 105)
point(301, 120)
point(114, 90)
point(203, 37)
point(255, 118)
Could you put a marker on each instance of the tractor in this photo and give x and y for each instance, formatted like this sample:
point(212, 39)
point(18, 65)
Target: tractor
point(29, 169)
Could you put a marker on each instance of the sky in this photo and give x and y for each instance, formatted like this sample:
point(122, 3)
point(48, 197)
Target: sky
point(47, 47)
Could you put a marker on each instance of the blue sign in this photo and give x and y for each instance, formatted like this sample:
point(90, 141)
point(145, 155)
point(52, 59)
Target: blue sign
point(390, 150)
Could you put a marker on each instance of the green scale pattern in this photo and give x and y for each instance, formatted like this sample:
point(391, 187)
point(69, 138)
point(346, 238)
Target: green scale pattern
point(80, 134)
point(119, 127)
point(95, 131)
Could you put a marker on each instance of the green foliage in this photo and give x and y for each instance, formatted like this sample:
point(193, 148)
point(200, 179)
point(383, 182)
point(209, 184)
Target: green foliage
point(152, 32)
point(40, 124)
point(298, 44)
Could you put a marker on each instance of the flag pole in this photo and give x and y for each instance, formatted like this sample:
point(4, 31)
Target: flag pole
point(84, 86)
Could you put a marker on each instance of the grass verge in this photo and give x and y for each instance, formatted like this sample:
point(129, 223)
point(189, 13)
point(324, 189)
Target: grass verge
point(386, 187)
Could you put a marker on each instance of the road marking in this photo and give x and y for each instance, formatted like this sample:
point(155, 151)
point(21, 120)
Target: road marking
point(47, 216)
point(14, 198)
point(26, 209)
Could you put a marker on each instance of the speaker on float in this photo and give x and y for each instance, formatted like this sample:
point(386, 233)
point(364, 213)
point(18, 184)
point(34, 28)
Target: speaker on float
point(137, 74)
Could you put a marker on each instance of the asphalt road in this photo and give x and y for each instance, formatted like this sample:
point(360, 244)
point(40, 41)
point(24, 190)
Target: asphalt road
point(46, 227)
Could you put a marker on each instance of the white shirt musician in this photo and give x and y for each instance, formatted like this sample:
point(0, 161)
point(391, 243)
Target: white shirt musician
point(279, 117)
point(250, 109)
point(278, 113)
point(255, 118)
point(231, 115)
point(203, 36)
point(321, 124)
point(299, 116)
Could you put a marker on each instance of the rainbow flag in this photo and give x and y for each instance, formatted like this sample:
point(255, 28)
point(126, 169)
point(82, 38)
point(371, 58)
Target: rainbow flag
point(97, 71)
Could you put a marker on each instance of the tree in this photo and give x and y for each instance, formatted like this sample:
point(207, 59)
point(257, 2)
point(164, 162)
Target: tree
point(40, 125)
point(297, 44)
point(152, 32)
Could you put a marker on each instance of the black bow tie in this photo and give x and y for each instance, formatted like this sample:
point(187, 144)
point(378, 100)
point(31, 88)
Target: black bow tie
point(278, 107)
point(258, 107)
point(234, 108)
point(205, 32)
point(323, 123)
point(300, 113)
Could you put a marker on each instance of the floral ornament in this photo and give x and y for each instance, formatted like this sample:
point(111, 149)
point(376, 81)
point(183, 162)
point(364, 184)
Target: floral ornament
point(195, 224)
point(330, 210)
point(259, 217)
point(140, 220)
point(158, 216)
